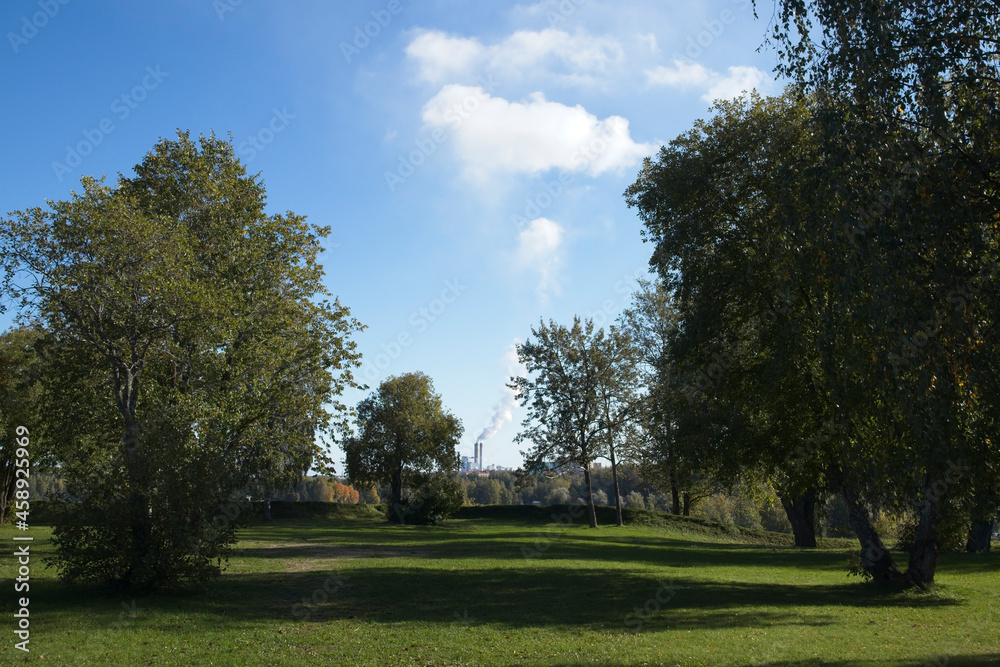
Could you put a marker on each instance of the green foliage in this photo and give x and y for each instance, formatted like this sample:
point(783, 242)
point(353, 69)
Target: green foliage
point(192, 356)
point(429, 501)
point(580, 393)
point(20, 403)
point(667, 456)
point(188, 544)
point(404, 433)
point(907, 122)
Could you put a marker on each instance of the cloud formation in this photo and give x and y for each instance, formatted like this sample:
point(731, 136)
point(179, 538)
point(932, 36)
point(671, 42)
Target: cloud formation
point(493, 135)
point(555, 54)
point(539, 250)
point(688, 74)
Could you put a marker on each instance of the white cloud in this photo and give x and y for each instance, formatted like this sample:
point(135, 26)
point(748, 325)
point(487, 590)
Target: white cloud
point(688, 74)
point(681, 75)
point(739, 80)
point(539, 249)
point(440, 57)
point(572, 59)
point(493, 135)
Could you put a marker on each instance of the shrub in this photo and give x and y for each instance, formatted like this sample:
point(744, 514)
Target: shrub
point(434, 498)
point(635, 499)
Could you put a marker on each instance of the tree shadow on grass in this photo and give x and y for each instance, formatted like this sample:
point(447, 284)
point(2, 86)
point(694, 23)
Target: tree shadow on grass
point(521, 598)
point(517, 598)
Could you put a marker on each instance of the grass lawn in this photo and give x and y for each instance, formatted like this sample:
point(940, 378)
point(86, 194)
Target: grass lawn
point(508, 589)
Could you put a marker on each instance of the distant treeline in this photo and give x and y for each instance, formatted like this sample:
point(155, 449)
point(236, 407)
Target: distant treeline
point(747, 505)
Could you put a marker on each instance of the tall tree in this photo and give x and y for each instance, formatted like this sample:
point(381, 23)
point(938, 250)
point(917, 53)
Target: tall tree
point(722, 205)
point(782, 268)
point(652, 324)
point(618, 396)
point(910, 114)
point(562, 395)
point(403, 431)
point(192, 325)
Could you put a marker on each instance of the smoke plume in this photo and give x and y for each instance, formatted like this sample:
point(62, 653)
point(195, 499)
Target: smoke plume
point(504, 411)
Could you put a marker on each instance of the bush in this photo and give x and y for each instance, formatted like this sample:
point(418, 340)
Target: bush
point(434, 498)
point(187, 543)
point(636, 500)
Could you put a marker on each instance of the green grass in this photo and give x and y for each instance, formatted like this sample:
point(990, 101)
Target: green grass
point(465, 594)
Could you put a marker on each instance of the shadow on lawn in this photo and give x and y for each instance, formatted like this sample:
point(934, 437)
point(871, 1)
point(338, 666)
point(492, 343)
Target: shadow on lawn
point(518, 598)
point(527, 597)
point(570, 543)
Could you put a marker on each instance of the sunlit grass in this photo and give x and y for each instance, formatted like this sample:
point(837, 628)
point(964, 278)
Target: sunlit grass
point(356, 591)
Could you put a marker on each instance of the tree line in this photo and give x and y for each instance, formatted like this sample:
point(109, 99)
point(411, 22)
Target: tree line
point(824, 314)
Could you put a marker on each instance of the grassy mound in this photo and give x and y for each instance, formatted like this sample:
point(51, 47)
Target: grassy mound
point(689, 526)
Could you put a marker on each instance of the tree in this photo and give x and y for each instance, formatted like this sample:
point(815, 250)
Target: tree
point(192, 328)
point(656, 443)
point(910, 114)
point(616, 360)
point(344, 493)
point(20, 400)
point(787, 273)
point(562, 395)
point(722, 203)
point(404, 434)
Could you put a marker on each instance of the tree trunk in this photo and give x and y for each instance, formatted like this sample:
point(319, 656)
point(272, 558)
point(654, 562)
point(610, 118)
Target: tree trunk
point(267, 509)
point(801, 514)
point(675, 496)
point(140, 520)
point(925, 549)
point(396, 498)
point(979, 536)
point(618, 495)
point(984, 513)
point(875, 558)
point(590, 495)
point(687, 504)
point(8, 483)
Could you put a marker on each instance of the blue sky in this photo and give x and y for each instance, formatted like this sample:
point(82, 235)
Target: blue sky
point(470, 157)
